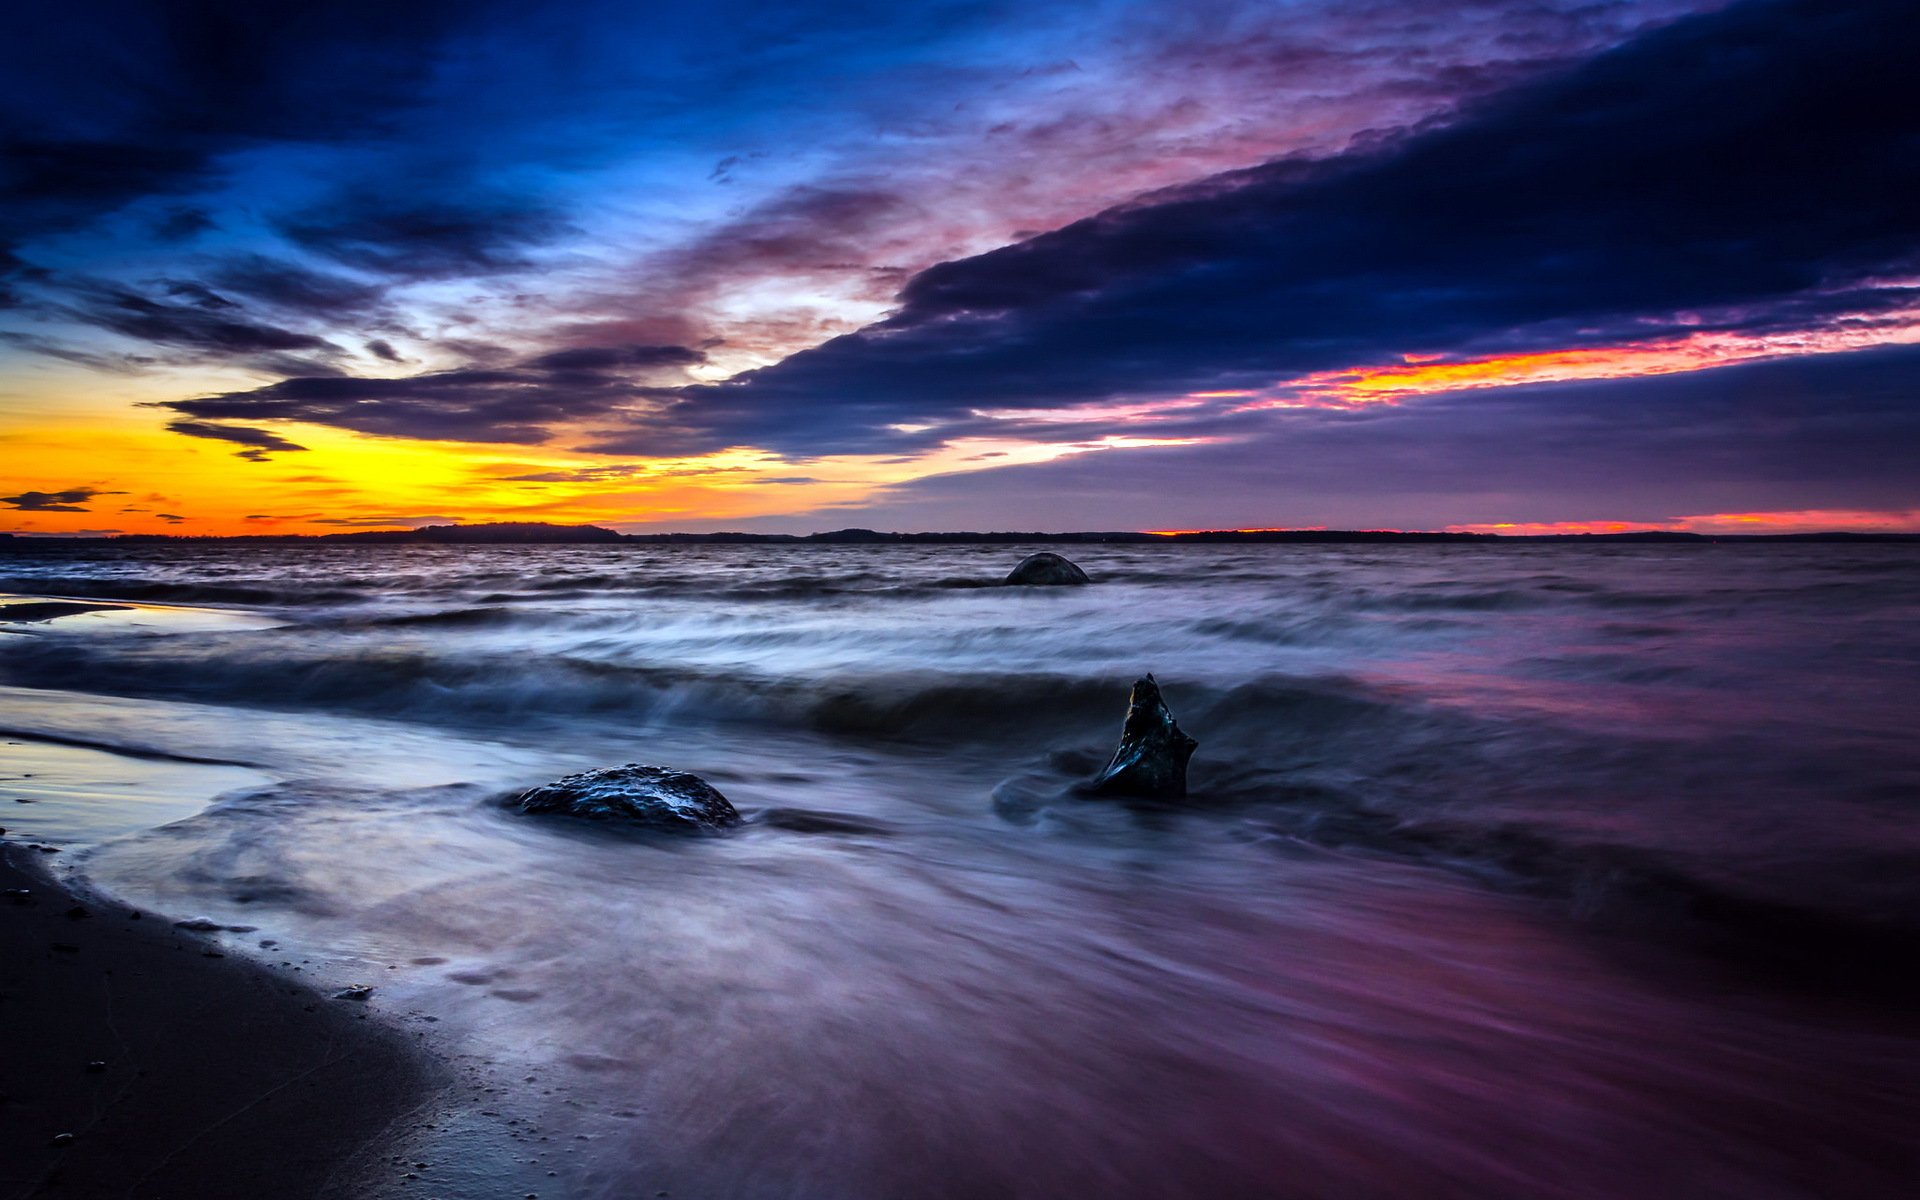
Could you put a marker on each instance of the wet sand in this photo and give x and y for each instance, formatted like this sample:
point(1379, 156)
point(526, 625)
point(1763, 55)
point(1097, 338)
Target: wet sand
point(176, 1070)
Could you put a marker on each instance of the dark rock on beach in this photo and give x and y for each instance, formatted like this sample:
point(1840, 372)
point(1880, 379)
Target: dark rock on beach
point(651, 797)
point(1152, 758)
point(1046, 569)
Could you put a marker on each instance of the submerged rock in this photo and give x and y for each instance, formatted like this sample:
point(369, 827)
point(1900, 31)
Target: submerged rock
point(50, 610)
point(1153, 753)
point(1045, 569)
point(807, 820)
point(653, 797)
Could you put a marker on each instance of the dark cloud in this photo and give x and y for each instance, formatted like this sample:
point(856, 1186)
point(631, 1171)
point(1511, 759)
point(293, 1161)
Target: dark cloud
point(807, 228)
point(182, 222)
point(607, 358)
point(106, 101)
point(197, 294)
point(71, 500)
point(1814, 432)
point(294, 288)
point(1694, 178)
point(257, 443)
point(170, 518)
point(656, 439)
point(437, 140)
point(115, 105)
point(604, 474)
point(453, 233)
point(67, 352)
point(51, 184)
point(193, 317)
point(384, 350)
point(515, 404)
point(201, 317)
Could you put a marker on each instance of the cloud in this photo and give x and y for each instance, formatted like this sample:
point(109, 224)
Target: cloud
point(70, 500)
point(258, 443)
point(1066, 115)
point(810, 228)
point(362, 151)
point(604, 474)
point(114, 364)
point(1694, 178)
point(107, 103)
point(131, 123)
point(296, 289)
point(386, 522)
point(194, 317)
point(148, 127)
point(607, 358)
point(454, 233)
point(58, 183)
point(183, 221)
point(1827, 432)
point(522, 404)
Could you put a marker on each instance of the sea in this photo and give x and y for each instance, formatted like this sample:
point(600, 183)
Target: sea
point(1526, 869)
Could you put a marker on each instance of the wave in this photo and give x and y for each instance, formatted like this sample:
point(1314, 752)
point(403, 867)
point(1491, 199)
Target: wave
point(1835, 920)
point(266, 593)
point(333, 666)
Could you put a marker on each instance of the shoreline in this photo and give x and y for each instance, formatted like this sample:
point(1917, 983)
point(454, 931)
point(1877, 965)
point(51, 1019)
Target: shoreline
point(177, 1069)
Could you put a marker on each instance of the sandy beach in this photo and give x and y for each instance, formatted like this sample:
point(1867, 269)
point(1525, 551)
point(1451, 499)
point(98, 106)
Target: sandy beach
point(141, 1061)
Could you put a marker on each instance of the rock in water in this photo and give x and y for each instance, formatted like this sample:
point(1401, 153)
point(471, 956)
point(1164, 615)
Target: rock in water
point(1045, 569)
point(1153, 753)
point(654, 797)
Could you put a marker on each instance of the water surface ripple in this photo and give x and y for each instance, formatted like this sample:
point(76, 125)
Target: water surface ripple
point(1522, 870)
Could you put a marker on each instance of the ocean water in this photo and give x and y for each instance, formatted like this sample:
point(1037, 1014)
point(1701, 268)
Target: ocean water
point(1533, 870)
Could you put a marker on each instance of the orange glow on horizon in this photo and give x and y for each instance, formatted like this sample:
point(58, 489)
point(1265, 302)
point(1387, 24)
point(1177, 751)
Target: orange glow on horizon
point(1812, 520)
point(1429, 374)
point(63, 429)
point(147, 480)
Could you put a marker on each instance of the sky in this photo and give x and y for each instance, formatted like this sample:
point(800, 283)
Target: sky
point(1520, 265)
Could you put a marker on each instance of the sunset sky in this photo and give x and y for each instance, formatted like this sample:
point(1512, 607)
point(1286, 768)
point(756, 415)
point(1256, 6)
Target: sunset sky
point(1489, 264)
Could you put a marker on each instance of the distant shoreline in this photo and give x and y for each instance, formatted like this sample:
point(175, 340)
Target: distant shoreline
point(516, 534)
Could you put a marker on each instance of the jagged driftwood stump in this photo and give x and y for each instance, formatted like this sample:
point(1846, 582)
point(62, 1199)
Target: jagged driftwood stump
point(1153, 753)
